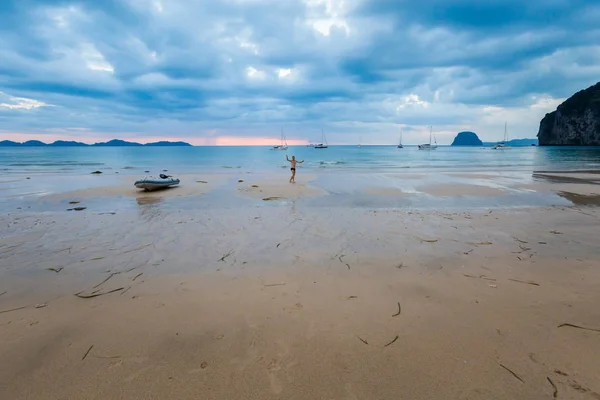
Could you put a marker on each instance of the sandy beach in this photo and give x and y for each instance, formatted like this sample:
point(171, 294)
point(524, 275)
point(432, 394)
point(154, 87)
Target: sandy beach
point(349, 200)
point(208, 291)
point(272, 189)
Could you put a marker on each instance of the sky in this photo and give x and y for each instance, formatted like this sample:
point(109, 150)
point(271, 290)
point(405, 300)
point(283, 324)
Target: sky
point(237, 72)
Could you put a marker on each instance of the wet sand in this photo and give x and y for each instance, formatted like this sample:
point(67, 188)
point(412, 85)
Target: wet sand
point(274, 300)
point(459, 189)
point(194, 185)
point(386, 191)
point(279, 189)
point(579, 187)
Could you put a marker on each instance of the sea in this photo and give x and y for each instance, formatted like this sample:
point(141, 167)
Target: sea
point(34, 172)
point(375, 159)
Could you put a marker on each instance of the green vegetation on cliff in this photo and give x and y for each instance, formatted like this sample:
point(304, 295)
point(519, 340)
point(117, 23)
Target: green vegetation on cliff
point(576, 122)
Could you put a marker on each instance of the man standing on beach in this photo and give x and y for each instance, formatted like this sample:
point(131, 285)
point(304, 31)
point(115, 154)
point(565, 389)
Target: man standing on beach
point(293, 161)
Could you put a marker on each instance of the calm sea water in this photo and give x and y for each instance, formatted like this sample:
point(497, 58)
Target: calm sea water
point(262, 159)
point(30, 176)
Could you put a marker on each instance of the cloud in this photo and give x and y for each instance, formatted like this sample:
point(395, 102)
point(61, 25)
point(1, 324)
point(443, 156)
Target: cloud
point(246, 68)
point(21, 103)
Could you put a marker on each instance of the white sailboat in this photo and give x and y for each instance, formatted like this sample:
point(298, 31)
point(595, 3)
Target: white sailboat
point(429, 146)
point(400, 142)
point(283, 145)
point(323, 144)
point(503, 144)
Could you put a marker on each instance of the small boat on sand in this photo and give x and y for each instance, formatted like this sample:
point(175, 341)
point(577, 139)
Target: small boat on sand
point(151, 183)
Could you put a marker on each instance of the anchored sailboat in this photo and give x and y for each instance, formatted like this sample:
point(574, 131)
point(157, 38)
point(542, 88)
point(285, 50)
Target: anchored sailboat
point(429, 146)
point(400, 142)
point(323, 144)
point(503, 144)
point(283, 145)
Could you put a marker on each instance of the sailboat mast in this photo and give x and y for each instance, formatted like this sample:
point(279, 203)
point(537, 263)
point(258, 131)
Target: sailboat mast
point(430, 132)
point(505, 132)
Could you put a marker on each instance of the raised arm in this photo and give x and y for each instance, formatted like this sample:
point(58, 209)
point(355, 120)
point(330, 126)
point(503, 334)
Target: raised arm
point(286, 157)
point(301, 161)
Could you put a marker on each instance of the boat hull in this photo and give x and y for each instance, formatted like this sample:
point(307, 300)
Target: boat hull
point(155, 184)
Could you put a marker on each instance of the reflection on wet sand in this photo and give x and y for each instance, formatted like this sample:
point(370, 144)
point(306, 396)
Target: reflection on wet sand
point(145, 201)
point(581, 188)
point(581, 199)
point(583, 177)
point(150, 207)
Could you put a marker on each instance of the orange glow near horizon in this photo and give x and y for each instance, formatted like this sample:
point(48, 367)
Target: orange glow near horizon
point(196, 141)
point(250, 141)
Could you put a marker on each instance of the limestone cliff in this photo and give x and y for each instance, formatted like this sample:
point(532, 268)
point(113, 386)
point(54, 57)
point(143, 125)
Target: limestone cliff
point(576, 122)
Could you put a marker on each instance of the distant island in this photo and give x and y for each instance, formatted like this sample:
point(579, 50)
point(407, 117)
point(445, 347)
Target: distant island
point(516, 143)
point(471, 139)
point(576, 122)
point(466, 139)
point(110, 143)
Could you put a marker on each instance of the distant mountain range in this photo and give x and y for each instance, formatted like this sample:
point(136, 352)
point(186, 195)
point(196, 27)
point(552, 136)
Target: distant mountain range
point(471, 139)
point(113, 143)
